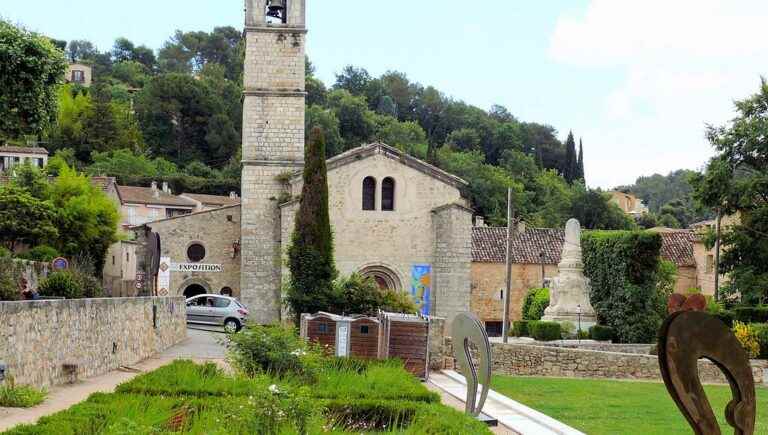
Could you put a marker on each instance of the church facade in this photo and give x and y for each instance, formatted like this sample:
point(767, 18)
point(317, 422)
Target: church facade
point(395, 219)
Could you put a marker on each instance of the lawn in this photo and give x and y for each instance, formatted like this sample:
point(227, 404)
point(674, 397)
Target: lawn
point(616, 407)
point(188, 398)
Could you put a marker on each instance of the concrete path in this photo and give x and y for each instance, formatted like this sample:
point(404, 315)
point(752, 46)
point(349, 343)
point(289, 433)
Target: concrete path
point(200, 345)
point(516, 416)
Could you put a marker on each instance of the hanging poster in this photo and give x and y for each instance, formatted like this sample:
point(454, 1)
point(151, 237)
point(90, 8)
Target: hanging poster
point(421, 287)
point(164, 277)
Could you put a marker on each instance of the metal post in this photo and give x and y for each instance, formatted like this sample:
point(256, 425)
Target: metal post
point(511, 231)
point(543, 270)
point(717, 254)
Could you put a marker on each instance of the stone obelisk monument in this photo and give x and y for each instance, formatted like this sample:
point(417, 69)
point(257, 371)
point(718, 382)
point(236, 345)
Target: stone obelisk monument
point(569, 292)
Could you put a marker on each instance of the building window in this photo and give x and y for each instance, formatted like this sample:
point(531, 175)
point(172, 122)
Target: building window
point(127, 257)
point(369, 194)
point(196, 252)
point(710, 263)
point(131, 216)
point(78, 76)
point(322, 328)
point(40, 163)
point(364, 330)
point(388, 194)
point(113, 260)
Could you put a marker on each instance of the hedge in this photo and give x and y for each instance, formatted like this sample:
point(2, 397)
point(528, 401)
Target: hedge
point(520, 328)
point(623, 267)
point(751, 314)
point(601, 333)
point(545, 331)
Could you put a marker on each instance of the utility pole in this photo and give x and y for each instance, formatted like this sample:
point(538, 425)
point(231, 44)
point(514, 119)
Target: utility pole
point(511, 233)
point(717, 252)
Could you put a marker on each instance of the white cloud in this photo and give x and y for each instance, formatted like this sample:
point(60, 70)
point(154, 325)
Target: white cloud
point(683, 63)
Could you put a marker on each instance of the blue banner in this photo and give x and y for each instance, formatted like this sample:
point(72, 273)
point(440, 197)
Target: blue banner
point(421, 287)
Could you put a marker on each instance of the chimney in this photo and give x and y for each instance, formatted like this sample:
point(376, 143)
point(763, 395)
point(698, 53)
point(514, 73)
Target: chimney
point(233, 195)
point(154, 185)
point(166, 188)
point(521, 227)
point(479, 221)
point(155, 192)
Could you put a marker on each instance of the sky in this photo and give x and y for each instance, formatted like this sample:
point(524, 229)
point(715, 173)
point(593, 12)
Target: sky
point(638, 81)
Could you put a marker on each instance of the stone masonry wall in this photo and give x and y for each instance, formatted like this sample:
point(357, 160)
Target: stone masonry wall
point(99, 335)
point(525, 360)
point(489, 279)
point(453, 257)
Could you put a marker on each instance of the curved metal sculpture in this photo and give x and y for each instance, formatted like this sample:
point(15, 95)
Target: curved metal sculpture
point(684, 338)
point(466, 329)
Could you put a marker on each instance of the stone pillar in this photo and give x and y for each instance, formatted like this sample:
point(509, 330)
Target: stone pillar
point(451, 271)
point(273, 144)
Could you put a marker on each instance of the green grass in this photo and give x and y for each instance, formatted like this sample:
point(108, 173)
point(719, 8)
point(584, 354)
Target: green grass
point(617, 407)
point(20, 396)
point(349, 398)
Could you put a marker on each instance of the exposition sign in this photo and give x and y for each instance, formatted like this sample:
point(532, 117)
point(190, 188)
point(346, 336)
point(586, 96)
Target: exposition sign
point(197, 267)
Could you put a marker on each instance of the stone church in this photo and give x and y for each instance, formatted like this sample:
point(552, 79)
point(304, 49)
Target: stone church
point(395, 218)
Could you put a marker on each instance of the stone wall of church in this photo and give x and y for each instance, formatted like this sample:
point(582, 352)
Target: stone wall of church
point(217, 230)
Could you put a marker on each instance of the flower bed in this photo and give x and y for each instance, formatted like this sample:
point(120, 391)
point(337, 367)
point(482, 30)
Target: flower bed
point(188, 398)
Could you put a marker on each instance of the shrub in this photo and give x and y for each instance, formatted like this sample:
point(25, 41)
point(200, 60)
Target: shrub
point(274, 350)
point(4, 252)
point(536, 301)
point(601, 333)
point(20, 396)
point(10, 274)
point(359, 295)
point(583, 335)
point(751, 314)
point(545, 331)
point(568, 329)
point(747, 336)
point(761, 331)
point(42, 253)
point(520, 328)
point(60, 284)
point(629, 282)
point(726, 316)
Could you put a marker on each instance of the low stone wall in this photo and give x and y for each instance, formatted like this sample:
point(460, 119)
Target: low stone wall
point(38, 338)
point(639, 349)
point(529, 360)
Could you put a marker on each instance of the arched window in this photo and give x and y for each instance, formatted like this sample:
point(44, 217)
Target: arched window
point(369, 193)
point(388, 194)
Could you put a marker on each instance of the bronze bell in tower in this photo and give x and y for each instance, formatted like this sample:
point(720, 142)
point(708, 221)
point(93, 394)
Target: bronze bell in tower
point(276, 9)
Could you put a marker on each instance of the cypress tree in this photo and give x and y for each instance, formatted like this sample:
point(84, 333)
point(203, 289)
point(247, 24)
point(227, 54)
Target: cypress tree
point(569, 171)
point(580, 164)
point(310, 257)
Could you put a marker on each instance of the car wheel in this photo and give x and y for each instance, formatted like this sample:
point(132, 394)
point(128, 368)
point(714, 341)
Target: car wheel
point(232, 325)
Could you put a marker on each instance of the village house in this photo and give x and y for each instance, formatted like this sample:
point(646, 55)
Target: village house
point(80, 74)
point(11, 156)
point(629, 203)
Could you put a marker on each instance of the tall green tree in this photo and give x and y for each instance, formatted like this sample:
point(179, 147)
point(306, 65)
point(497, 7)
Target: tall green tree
point(580, 162)
point(24, 218)
point(310, 256)
point(30, 70)
point(571, 159)
point(595, 211)
point(736, 183)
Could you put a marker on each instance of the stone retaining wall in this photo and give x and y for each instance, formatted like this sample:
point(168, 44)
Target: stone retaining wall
point(98, 335)
point(640, 349)
point(529, 360)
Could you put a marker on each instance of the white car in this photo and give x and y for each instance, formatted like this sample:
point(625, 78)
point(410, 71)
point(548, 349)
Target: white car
point(217, 310)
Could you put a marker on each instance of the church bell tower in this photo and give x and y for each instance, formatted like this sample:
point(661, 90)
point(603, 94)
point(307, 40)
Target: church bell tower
point(273, 143)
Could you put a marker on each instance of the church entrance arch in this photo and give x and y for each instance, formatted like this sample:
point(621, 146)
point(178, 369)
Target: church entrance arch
point(385, 277)
point(193, 287)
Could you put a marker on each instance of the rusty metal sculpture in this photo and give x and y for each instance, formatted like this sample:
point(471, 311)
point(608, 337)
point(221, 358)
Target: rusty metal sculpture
point(684, 338)
point(466, 329)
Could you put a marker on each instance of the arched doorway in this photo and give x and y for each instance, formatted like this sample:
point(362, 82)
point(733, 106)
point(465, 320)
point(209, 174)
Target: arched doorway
point(385, 278)
point(193, 290)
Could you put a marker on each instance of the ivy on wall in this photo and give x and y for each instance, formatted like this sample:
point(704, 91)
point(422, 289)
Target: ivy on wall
point(623, 267)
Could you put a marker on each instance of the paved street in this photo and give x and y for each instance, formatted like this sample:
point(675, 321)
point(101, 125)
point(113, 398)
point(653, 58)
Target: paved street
point(201, 343)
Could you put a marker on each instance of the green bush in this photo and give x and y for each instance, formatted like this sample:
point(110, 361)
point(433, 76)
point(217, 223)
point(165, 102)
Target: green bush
point(601, 333)
point(20, 396)
point(10, 275)
point(545, 331)
point(62, 285)
point(359, 295)
point(520, 328)
point(726, 316)
point(629, 282)
point(583, 335)
point(273, 350)
point(761, 330)
point(751, 314)
point(4, 252)
point(536, 301)
point(42, 253)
